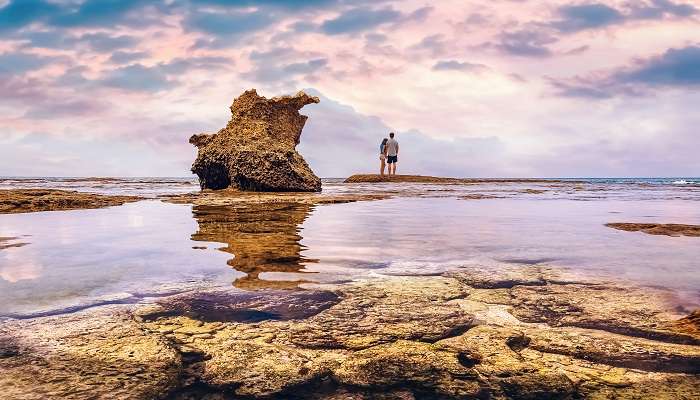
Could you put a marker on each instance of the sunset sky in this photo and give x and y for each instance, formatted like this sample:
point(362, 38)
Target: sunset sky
point(472, 88)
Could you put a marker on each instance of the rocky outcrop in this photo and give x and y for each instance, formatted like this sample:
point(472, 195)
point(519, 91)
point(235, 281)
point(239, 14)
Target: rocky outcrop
point(256, 149)
point(33, 200)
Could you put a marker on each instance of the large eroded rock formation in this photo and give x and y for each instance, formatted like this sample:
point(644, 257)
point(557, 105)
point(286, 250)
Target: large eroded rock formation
point(256, 149)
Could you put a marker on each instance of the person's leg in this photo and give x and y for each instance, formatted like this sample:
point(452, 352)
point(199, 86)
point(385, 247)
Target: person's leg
point(395, 162)
point(383, 166)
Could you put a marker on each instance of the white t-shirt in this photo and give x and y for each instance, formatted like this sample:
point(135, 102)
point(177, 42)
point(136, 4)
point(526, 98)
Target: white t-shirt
point(392, 147)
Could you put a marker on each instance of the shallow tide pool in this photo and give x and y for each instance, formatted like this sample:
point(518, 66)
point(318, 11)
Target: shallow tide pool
point(62, 261)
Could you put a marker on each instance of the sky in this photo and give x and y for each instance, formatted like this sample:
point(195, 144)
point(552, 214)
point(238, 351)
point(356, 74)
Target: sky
point(484, 88)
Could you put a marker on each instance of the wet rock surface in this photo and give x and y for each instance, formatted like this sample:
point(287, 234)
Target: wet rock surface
point(234, 197)
point(242, 306)
point(658, 229)
point(33, 200)
point(466, 335)
point(256, 149)
point(103, 354)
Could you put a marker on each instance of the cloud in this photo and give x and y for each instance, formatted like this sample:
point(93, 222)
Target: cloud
point(291, 5)
point(180, 66)
point(359, 19)
point(658, 9)
point(283, 65)
point(139, 78)
point(285, 72)
point(528, 42)
point(102, 42)
point(454, 65)
point(586, 16)
point(48, 109)
point(420, 14)
point(228, 23)
point(581, 88)
point(678, 68)
point(375, 38)
point(303, 27)
point(19, 63)
point(305, 67)
point(58, 39)
point(123, 57)
point(578, 17)
point(433, 44)
point(99, 13)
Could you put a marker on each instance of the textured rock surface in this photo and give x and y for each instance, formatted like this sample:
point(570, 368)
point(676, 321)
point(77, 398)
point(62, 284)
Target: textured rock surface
point(85, 356)
point(234, 197)
point(256, 149)
point(33, 200)
point(466, 336)
point(658, 229)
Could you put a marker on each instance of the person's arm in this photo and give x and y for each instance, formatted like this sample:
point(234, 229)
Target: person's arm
point(397, 148)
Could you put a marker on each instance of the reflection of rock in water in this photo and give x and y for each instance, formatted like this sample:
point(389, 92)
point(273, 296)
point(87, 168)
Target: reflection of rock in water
point(262, 237)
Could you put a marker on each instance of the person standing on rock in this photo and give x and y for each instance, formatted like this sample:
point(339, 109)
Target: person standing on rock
point(382, 155)
point(392, 153)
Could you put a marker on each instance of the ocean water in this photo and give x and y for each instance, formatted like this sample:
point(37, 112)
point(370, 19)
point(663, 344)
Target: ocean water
point(55, 262)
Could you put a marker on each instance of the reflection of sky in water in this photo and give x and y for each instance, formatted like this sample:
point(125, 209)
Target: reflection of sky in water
point(105, 254)
point(141, 249)
point(424, 236)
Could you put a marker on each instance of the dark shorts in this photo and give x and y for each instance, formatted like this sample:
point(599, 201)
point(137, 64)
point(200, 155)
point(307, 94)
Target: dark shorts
point(392, 159)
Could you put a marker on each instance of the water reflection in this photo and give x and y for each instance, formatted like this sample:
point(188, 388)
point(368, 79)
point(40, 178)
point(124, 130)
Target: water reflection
point(262, 237)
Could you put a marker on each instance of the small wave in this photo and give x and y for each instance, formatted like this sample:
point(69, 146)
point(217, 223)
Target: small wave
point(684, 182)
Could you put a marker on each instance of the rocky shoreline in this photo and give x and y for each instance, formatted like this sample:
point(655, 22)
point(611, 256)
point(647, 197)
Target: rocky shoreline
point(510, 332)
point(13, 201)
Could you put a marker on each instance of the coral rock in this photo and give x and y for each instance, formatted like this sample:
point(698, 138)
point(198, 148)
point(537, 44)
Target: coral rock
point(256, 149)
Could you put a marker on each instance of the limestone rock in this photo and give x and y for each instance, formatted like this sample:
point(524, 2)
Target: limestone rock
point(381, 312)
point(91, 355)
point(389, 338)
point(256, 149)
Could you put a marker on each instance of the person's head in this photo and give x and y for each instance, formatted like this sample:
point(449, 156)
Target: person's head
point(385, 140)
point(391, 135)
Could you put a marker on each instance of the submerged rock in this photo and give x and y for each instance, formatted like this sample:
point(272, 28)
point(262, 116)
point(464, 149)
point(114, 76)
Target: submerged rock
point(14, 201)
point(256, 149)
point(657, 229)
